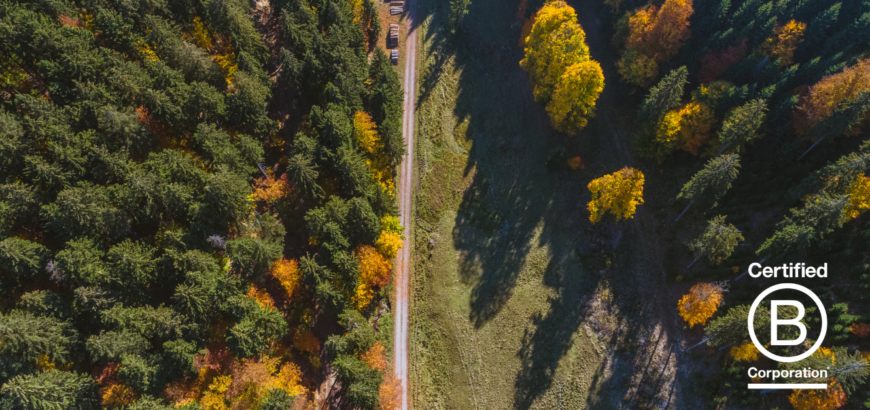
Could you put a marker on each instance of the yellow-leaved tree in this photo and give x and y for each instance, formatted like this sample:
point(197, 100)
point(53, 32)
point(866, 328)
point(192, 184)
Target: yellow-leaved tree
point(701, 303)
point(859, 197)
point(365, 132)
point(787, 39)
point(287, 273)
point(557, 59)
point(374, 271)
point(686, 128)
point(574, 99)
point(618, 193)
point(746, 352)
point(390, 240)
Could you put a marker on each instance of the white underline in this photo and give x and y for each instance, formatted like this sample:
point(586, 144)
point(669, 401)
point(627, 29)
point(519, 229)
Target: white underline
point(764, 386)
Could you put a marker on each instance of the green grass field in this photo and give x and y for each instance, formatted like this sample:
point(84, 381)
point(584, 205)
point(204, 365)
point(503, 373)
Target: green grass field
point(514, 306)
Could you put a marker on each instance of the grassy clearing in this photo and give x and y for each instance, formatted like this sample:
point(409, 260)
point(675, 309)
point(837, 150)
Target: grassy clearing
point(518, 301)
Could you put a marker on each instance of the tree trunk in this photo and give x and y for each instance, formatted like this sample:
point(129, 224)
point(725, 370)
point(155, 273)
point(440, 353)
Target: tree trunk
point(684, 211)
point(723, 149)
point(811, 147)
point(699, 343)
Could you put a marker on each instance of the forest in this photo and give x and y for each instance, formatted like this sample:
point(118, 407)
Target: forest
point(768, 104)
point(197, 206)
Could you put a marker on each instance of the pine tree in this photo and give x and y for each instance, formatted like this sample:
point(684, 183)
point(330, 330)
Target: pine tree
point(834, 178)
point(716, 242)
point(20, 258)
point(730, 329)
point(665, 96)
point(458, 11)
point(26, 337)
point(742, 126)
point(710, 183)
point(50, 390)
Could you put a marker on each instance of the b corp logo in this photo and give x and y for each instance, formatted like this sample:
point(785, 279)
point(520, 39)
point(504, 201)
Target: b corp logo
point(775, 322)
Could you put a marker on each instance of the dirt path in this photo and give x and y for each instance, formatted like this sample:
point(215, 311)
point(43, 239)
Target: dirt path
point(406, 188)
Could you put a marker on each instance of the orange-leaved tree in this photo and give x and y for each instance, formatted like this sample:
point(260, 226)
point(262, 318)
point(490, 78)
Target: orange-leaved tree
point(820, 399)
point(861, 330)
point(374, 271)
point(390, 392)
point(271, 189)
point(375, 357)
point(618, 193)
point(826, 96)
point(564, 77)
point(701, 303)
point(261, 297)
point(287, 273)
point(654, 36)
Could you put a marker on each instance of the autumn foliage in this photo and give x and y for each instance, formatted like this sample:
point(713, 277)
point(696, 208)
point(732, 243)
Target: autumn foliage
point(828, 399)
point(618, 194)
point(271, 189)
point(365, 132)
point(787, 39)
point(375, 271)
point(262, 297)
point(713, 63)
point(701, 303)
point(374, 268)
point(390, 392)
point(287, 273)
point(828, 94)
point(655, 35)
point(686, 128)
point(557, 60)
point(375, 358)
point(861, 330)
point(859, 197)
point(746, 352)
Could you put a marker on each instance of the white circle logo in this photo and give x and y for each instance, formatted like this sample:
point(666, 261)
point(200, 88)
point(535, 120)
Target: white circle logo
point(774, 320)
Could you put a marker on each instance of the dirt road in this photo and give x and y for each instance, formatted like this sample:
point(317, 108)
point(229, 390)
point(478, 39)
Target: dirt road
point(406, 189)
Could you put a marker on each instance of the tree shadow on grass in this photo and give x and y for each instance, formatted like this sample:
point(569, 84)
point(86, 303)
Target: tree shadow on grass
point(514, 205)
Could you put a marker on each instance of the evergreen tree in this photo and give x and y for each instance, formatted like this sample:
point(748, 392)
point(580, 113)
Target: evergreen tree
point(850, 370)
point(742, 126)
point(22, 259)
point(711, 182)
point(50, 390)
point(716, 242)
point(731, 329)
point(665, 96)
point(458, 11)
point(26, 337)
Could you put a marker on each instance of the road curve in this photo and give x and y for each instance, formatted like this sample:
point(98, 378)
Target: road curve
point(406, 190)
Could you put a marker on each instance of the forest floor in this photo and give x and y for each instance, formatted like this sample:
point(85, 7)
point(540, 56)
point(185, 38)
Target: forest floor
point(518, 301)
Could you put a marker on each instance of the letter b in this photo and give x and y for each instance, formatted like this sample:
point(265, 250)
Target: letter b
point(775, 322)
